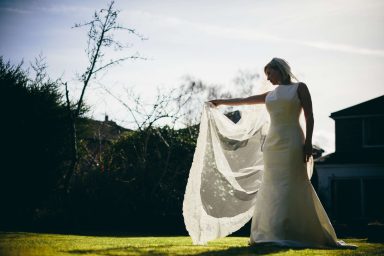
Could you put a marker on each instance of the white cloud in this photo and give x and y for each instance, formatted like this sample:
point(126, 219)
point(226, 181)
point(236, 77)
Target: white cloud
point(60, 8)
point(342, 48)
point(15, 10)
point(241, 33)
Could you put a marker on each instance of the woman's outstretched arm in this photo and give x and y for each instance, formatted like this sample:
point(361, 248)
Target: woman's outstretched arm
point(256, 99)
point(306, 103)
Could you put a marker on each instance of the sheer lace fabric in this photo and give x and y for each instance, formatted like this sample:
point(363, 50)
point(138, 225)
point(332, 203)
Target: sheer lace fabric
point(225, 175)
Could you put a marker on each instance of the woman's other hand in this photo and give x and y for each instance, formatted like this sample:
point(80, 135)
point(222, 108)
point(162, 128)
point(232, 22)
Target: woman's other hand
point(307, 151)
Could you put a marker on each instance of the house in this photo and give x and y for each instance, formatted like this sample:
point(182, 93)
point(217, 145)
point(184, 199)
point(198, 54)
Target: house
point(351, 180)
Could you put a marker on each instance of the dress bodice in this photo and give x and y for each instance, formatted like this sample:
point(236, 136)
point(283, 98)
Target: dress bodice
point(283, 105)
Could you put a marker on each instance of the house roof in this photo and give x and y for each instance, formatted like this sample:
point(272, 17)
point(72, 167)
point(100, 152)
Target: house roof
point(371, 107)
point(355, 157)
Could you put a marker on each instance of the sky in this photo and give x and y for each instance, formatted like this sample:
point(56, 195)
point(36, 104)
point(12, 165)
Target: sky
point(335, 46)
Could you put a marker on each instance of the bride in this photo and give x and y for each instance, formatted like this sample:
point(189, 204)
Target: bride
point(240, 172)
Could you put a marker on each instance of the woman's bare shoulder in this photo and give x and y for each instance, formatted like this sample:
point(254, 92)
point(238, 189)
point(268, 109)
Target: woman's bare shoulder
point(302, 88)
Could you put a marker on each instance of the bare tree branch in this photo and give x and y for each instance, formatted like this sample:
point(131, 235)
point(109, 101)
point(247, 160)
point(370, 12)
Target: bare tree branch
point(114, 62)
point(126, 106)
point(100, 37)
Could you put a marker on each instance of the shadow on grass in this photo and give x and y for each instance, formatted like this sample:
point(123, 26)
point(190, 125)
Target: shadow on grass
point(155, 250)
point(262, 249)
point(128, 250)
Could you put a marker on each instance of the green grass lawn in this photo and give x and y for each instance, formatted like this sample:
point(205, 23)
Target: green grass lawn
point(25, 244)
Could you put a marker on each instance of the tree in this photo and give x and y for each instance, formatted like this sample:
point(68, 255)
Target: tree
point(192, 93)
point(100, 37)
point(176, 108)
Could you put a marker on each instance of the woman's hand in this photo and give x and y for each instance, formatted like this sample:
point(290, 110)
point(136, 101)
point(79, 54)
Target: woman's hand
point(215, 102)
point(307, 151)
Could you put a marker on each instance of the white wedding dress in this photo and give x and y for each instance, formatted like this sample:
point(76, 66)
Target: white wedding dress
point(287, 209)
point(240, 172)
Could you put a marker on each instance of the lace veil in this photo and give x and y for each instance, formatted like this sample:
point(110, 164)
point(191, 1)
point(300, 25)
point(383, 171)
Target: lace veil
point(226, 173)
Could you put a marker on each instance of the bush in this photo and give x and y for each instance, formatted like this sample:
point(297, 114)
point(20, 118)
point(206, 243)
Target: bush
point(141, 187)
point(35, 137)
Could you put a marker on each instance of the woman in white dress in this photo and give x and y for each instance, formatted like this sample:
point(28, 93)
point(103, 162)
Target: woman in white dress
point(235, 177)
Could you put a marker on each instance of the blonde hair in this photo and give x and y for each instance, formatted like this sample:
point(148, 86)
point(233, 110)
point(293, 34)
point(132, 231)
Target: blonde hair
point(283, 67)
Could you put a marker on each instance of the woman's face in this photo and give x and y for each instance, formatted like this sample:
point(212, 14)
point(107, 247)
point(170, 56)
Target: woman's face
point(273, 76)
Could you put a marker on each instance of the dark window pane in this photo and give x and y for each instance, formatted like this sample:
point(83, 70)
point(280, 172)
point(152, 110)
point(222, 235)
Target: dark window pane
point(374, 131)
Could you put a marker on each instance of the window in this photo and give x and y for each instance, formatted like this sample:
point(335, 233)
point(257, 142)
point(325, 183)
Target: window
point(373, 131)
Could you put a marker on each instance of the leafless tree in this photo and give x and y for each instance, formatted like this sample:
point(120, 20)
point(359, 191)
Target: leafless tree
point(176, 107)
point(181, 107)
point(39, 67)
point(101, 32)
point(192, 93)
point(245, 82)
